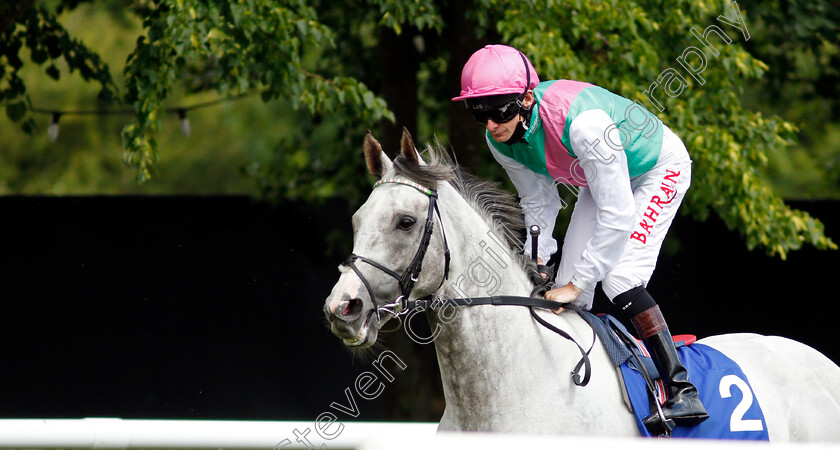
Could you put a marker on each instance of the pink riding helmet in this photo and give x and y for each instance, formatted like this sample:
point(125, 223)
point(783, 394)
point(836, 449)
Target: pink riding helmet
point(496, 70)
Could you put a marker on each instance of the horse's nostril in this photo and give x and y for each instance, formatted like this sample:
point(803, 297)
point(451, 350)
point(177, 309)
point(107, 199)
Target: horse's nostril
point(352, 308)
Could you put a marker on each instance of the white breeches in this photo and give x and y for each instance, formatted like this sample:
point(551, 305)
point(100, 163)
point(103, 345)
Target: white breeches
point(657, 194)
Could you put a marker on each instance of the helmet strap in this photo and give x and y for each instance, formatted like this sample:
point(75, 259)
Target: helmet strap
point(518, 134)
point(525, 112)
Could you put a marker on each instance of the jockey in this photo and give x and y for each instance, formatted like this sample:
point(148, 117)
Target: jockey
point(629, 172)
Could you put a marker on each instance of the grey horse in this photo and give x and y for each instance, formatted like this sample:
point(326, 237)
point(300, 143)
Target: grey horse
point(501, 371)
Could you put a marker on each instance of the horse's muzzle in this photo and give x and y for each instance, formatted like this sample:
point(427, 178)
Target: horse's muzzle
point(347, 309)
point(347, 318)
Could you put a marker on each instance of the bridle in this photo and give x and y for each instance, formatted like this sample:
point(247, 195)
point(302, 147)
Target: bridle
point(412, 273)
point(402, 305)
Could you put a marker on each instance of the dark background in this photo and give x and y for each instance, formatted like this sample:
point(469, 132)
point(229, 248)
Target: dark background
point(210, 307)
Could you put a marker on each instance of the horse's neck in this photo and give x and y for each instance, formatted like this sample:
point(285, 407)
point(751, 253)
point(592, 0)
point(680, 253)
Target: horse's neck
point(482, 263)
point(488, 353)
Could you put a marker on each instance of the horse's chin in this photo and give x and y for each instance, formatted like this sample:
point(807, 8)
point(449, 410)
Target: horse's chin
point(365, 340)
point(366, 336)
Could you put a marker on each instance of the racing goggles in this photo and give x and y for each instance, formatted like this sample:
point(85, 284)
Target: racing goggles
point(499, 110)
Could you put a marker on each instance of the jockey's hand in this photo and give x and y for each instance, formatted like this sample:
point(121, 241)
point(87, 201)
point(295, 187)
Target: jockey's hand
point(565, 294)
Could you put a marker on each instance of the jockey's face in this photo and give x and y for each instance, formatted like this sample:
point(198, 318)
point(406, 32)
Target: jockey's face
point(502, 132)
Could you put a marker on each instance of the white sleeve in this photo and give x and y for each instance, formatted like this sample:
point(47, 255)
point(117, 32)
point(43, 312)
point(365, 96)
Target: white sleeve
point(608, 177)
point(539, 200)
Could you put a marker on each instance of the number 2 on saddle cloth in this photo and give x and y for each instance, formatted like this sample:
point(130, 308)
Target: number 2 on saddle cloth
point(734, 411)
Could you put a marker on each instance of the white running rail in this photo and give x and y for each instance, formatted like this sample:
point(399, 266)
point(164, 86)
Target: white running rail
point(199, 434)
point(221, 434)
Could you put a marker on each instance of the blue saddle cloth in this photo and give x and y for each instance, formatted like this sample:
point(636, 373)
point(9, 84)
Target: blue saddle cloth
point(734, 411)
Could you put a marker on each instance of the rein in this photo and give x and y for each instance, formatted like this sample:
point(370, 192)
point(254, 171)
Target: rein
point(402, 305)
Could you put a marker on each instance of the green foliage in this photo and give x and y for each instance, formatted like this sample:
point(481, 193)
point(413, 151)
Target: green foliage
point(255, 45)
point(420, 14)
point(311, 169)
point(625, 46)
point(47, 42)
point(322, 57)
point(800, 42)
point(87, 158)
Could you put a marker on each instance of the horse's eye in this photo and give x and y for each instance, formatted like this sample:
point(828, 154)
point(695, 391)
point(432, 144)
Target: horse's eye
point(406, 223)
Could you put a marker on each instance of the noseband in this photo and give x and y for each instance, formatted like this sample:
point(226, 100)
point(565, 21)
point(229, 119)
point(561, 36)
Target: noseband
point(412, 272)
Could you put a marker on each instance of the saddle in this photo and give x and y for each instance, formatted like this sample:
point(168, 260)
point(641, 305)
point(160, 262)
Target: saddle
point(724, 389)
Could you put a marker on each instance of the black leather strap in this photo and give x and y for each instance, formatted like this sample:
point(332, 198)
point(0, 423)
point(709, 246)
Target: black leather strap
point(547, 270)
point(412, 272)
point(494, 300)
point(373, 263)
point(584, 355)
point(447, 257)
point(664, 425)
point(349, 263)
point(532, 303)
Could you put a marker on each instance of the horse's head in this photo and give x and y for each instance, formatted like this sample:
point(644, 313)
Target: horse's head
point(395, 233)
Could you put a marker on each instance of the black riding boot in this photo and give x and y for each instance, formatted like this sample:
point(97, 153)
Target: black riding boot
point(684, 406)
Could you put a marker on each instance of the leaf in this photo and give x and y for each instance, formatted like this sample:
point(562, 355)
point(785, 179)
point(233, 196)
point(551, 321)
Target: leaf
point(368, 99)
point(39, 55)
point(53, 72)
point(15, 111)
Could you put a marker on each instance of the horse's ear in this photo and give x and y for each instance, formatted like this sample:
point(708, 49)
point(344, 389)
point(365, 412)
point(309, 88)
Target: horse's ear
point(377, 161)
point(409, 152)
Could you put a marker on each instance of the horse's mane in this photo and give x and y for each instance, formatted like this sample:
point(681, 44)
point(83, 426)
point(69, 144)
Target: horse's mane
point(499, 208)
